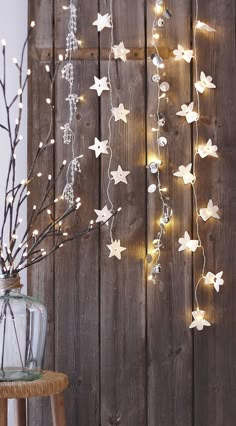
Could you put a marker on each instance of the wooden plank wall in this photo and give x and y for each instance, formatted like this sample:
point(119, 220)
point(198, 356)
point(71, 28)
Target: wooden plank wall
point(124, 342)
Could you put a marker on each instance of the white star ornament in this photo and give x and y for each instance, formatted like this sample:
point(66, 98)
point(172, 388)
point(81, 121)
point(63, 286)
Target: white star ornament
point(120, 51)
point(215, 280)
point(115, 249)
point(180, 53)
point(120, 113)
point(185, 173)
point(103, 215)
point(198, 320)
point(187, 243)
point(204, 83)
point(208, 149)
point(100, 147)
point(103, 21)
point(187, 111)
point(210, 211)
point(202, 26)
point(100, 85)
point(120, 175)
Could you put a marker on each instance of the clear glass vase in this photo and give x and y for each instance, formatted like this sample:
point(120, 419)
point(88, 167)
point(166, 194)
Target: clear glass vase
point(23, 323)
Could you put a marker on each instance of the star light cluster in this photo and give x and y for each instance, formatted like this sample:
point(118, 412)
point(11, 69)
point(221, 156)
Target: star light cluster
point(117, 113)
point(203, 84)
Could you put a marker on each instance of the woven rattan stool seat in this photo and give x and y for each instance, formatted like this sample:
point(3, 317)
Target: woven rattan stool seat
point(50, 384)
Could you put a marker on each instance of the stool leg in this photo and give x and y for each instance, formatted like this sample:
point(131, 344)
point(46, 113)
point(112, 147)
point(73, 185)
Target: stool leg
point(3, 412)
point(58, 409)
point(20, 412)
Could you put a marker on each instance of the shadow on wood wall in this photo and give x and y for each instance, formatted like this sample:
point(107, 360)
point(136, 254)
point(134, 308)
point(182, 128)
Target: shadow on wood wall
point(125, 343)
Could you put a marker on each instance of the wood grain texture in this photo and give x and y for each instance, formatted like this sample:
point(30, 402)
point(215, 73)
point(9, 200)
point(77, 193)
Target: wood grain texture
point(214, 356)
point(41, 276)
point(3, 412)
point(77, 284)
point(125, 344)
point(169, 302)
point(123, 357)
point(20, 412)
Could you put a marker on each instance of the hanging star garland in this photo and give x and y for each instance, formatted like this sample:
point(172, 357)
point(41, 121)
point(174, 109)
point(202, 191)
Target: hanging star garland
point(210, 211)
point(180, 53)
point(204, 83)
point(120, 52)
point(187, 243)
point(120, 113)
point(208, 149)
point(215, 280)
point(202, 26)
point(103, 21)
point(100, 147)
point(120, 175)
point(100, 85)
point(185, 173)
point(199, 321)
point(103, 215)
point(188, 113)
point(115, 249)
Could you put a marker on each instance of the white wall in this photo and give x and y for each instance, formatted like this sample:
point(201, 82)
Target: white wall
point(13, 28)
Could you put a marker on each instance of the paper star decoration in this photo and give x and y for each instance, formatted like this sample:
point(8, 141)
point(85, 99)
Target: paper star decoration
point(210, 211)
point(115, 249)
point(216, 280)
point(100, 147)
point(120, 51)
point(100, 85)
point(204, 83)
point(185, 173)
point(202, 26)
point(186, 243)
point(120, 113)
point(120, 175)
point(180, 53)
point(199, 322)
point(103, 21)
point(103, 215)
point(208, 149)
point(187, 111)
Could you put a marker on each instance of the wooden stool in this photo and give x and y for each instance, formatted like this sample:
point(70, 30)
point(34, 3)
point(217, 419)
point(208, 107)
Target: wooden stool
point(51, 384)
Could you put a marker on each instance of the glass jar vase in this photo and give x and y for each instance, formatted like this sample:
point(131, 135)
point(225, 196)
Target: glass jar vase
point(23, 322)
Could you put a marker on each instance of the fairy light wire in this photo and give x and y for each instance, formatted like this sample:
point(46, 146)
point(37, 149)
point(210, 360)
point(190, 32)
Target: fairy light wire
point(195, 155)
point(110, 124)
point(164, 204)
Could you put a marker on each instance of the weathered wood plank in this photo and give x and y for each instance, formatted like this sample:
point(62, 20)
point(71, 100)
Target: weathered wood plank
point(41, 276)
point(123, 355)
point(169, 302)
point(77, 265)
point(214, 355)
point(123, 359)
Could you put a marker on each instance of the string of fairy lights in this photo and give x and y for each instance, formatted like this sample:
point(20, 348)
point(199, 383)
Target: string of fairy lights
point(161, 15)
point(68, 73)
point(105, 146)
point(203, 84)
